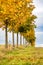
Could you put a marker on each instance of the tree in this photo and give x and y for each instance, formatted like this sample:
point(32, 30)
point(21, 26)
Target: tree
point(6, 14)
point(11, 28)
point(20, 40)
point(17, 11)
point(26, 12)
point(29, 25)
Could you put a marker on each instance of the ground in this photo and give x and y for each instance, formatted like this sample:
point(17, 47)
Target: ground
point(21, 56)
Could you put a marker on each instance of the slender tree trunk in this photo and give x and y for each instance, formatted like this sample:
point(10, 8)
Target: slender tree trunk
point(17, 39)
point(26, 43)
point(6, 40)
point(13, 38)
point(23, 40)
point(20, 40)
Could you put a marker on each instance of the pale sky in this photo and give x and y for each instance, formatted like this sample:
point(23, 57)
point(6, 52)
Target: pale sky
point(38, 11)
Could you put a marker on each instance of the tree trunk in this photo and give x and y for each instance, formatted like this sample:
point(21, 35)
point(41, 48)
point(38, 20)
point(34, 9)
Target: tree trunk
point(33, 43)
point(20, 40)
point(17, 39)
point(13, 38)
point(23, 40)
point(6, 40)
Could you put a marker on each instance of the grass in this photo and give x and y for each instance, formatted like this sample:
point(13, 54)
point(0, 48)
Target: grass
point(21, 56)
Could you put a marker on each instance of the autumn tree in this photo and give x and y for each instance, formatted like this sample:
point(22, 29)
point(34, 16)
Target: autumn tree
point(24, 14)
point(6, 14)
point(14, 14)
point(28, 25)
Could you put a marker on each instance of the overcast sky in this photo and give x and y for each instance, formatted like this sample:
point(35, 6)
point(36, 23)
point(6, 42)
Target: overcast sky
point(38, 11)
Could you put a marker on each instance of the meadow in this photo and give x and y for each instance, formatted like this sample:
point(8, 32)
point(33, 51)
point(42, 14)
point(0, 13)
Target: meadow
point(21, 56)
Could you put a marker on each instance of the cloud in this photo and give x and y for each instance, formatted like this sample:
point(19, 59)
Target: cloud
point(41, 2)
point(38, 33)
point(38, 29)
point(39, 45)
point(39, 21)
point(39, 38)
point(38, 2)
point(39, 6)
point(38, 11)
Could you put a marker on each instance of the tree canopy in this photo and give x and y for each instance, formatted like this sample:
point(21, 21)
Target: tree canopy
point(17, 15)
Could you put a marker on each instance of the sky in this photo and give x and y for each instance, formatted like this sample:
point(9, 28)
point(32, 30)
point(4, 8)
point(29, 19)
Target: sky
point(38, 11)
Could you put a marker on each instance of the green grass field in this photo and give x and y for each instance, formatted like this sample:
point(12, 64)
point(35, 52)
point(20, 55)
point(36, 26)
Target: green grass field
point(21, 56)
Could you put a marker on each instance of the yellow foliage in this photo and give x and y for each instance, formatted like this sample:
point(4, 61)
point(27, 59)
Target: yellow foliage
point(16, 10)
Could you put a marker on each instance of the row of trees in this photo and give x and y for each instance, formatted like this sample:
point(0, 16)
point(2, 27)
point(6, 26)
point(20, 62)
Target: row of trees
point(16, 16)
